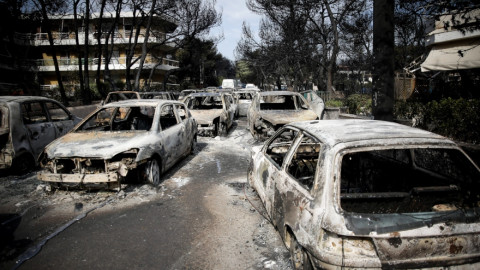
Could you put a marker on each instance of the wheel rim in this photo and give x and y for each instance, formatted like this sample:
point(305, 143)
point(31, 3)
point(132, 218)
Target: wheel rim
point(153, 172)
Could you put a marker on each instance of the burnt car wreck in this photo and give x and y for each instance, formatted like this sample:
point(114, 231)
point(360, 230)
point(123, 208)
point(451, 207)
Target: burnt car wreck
point(271, 110)
point(146, 136)
point(214, 112)
point(363, 194)
point(27, 125)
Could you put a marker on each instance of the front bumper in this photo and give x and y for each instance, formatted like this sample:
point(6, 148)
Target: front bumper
point(109, 177)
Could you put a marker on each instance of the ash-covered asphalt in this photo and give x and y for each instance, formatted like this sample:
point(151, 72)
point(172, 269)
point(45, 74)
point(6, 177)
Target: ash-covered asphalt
point(200, 217)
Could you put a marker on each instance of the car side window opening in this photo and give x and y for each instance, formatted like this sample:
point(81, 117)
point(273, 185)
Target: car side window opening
point(56, 112)
point(32, 113)
point(167, 117)
point(303, 165)
point(408, 181)
point(278, 147)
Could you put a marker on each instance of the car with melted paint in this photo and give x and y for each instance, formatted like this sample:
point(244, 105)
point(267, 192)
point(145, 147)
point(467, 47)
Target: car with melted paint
point(271, 110)
point(28, 124)
point(121, 95)
point(214, 112)
point(366, 194)
point(143, 136)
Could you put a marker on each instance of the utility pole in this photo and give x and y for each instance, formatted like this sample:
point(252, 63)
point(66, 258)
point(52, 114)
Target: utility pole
point(383, 60)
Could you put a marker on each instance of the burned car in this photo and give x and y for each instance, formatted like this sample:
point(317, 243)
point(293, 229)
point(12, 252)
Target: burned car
point(121, 95)
point(157, 95)
point(271, 110)
point(244, 100)
point(146, 136)
point(366, 194)
point(28, 124)
point(214, 112)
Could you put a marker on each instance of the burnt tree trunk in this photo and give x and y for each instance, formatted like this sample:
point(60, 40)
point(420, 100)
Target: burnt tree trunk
point(383, 60)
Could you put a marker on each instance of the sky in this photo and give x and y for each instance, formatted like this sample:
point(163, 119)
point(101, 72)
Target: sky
point(234, 12)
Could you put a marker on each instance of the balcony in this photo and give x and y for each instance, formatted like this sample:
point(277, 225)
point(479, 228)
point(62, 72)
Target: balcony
point(116, 63)
point(68, 38)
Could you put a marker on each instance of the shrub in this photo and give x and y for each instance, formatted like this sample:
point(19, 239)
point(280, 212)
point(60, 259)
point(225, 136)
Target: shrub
point(458, 119)
point(359, 104)
point(334, 103)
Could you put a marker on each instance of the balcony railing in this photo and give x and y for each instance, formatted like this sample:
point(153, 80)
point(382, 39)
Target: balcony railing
point(122, 61)
point(119, 36)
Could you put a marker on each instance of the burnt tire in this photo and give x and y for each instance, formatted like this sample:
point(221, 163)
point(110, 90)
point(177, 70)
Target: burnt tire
point(298, 255)
point(192, 145)
point(152, 172)
point(222, 129)
point(23, 164)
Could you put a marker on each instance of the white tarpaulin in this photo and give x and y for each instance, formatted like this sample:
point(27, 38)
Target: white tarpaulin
point(463, 54)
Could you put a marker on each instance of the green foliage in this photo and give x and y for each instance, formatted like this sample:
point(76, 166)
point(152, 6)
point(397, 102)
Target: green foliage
point(458, 119)
point(334, 103)
point(359, 104)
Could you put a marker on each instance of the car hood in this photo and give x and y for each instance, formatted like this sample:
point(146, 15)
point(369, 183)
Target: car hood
point(206, 116)
point(95, 144)
point(279, 117)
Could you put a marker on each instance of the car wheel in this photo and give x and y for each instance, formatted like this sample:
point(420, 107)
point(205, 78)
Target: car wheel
point(23, 164)
point(216, 130)
point(152, 172)
point(298, 255)
point(222, 131)
point(192, 145)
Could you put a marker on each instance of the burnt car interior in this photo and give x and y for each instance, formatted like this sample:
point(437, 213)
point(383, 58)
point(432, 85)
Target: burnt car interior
point(302, 167)
point(408, 181)
point(125, 118)
point(287, 102)
point(205, 103)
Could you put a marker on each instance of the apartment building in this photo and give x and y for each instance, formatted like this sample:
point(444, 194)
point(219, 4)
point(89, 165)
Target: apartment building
point(158, 58)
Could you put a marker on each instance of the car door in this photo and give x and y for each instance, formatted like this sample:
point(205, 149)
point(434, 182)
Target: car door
point(40, 130)
point(315, 102)
point(293, 187)
point(60, 118)
point(170, 130)
point(229, 107)
point(270, 163)
point(186, 130)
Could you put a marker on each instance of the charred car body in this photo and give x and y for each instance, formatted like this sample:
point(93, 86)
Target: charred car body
point(214, 112)
point(244, 100)
point(271, 110)
point(121, 95)
point(148, 136)
point(364, 194)
point(27, 125)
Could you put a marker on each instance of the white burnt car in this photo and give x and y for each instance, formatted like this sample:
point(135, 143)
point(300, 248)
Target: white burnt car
point(365, 194)
point(147, 136)
point(214, 112)
point(272, 109)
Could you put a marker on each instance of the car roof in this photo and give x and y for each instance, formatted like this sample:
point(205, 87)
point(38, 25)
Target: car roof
point(140, 102)
point(278, 93)
point(207, 94)
point(333, 132)
point(22, 98)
